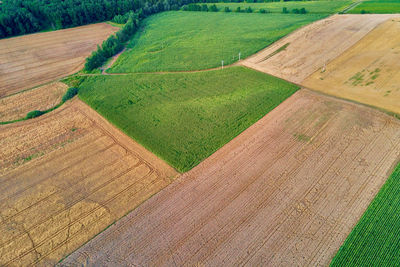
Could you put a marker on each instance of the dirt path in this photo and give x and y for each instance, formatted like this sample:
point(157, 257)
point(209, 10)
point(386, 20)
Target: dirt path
point(286, 192)
point(109, 65)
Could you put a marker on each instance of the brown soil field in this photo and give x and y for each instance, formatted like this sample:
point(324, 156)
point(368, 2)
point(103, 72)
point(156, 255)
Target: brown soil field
point(369, 72)
point(310, 48)
point(35, 59)
point(41, 98)
point(285, 192)
point(65, 177)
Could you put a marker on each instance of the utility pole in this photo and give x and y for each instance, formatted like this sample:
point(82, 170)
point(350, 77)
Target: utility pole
point(222, 64)
point(239, 56)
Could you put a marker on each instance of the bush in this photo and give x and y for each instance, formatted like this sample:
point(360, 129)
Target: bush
point(213, 8)
point(71, 92)
point(303, 10)
point(262, 10)
point(227, 9)
point(238, 9)
point(204, 8)
point(285, 10)
point(249, 10)
point(34, 114)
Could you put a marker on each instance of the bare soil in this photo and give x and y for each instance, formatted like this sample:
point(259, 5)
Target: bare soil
point(64, 177)
point(312, 47)
point(369, 72)
point(41, 98)
point(35, 59)
point(286, 192)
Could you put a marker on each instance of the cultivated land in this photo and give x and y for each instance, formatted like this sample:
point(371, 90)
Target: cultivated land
point(375, 241)
point(369, 72)
point(307, 50)
point(185, 117)
point(286, 192)
point(176, 41)
point(327, 7)
point(378, 7)
point(42, 98)
point(31, 60)
point(65, 177)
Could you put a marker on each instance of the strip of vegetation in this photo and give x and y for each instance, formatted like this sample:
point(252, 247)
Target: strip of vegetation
point(185, 117)
point(214, 8)
point(375, 240)
point(70, 93)
point(377, 7)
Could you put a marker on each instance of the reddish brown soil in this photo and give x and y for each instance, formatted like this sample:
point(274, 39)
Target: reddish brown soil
point(64, 177)
point(286, 192)
point(34, 59)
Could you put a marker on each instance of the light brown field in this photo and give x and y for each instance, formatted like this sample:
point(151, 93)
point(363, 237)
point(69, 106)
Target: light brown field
point(41, 98)
point(65, 177)
point(34, 59)
point(311, 47)
point(286, 192)
point(369, 72)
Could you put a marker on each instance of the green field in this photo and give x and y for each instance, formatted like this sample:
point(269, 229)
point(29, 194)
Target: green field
point(324, 7)
point(179, 40)
point(375, 241)
point(377, 7)
point(185, 117)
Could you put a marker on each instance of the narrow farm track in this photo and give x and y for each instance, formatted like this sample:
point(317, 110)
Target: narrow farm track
point(287, 191)
point(25, 64)
point(65, 177)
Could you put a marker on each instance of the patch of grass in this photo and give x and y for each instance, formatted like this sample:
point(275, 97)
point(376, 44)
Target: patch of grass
point(377, 7)
point(302, 137)
point(185, 117)
point(316, 7)
point(179, 40)
point(280, 49)
point(357, 78)
point(375, 240)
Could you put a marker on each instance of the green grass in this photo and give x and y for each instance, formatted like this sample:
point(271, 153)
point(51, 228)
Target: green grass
point(185, 117)
point(378, 7)
point(179, 40)
point(375, 240)
point(322, 7)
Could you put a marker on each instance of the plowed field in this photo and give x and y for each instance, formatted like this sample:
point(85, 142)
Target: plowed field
point(64, 177)
point(285, 192)
point(42, 98)
point(369, 72)
point(309, 49)
point(34, 59)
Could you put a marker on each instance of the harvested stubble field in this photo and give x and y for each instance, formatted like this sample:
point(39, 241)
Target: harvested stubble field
point(65, 177)
point(307, 50)
point(286, 192)
point(41, 98)
point(34, 59)
point(369, 72)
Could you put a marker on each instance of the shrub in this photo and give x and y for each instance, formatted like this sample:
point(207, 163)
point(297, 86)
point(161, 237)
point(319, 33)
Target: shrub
point(71, 92)
point(303, 10)
point(249, 10)
point(213, 8)
point(34, 114)
point(262, 10)
point(238, 9)
point(227, 9)
point(285, 10)
point(204, 7)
